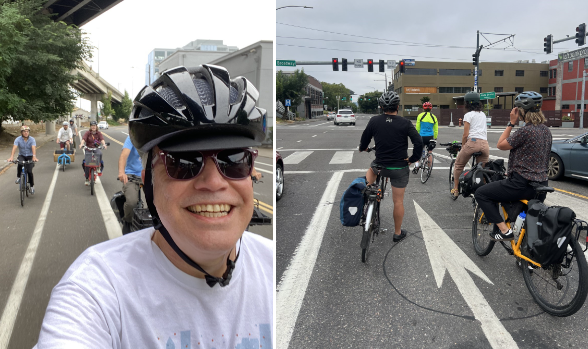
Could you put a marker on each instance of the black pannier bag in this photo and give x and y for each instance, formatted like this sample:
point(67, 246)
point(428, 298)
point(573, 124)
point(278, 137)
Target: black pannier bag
point(471, 180)
point(498, 166)
point(141, 219)
point(549, 230)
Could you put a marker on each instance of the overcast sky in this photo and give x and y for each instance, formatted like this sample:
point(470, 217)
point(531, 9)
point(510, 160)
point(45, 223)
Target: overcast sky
point(394, 30)
point(126, 33)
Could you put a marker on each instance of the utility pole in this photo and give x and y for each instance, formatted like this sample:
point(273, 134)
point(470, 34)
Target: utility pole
point(583, 91)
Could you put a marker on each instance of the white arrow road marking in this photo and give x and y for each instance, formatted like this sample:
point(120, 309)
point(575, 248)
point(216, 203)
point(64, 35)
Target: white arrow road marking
point(295, 280)
point(446, 255)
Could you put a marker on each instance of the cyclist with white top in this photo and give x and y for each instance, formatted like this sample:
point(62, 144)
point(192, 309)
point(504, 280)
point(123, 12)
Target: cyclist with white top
point(64, 136)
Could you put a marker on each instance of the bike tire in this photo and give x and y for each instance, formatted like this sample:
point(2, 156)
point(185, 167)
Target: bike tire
point(63, 165)
point(23, 188)
point(540, 282)
point(451, 180)
point(426, 173)
point(480, 233)
point(367, 234)
point(92, 182)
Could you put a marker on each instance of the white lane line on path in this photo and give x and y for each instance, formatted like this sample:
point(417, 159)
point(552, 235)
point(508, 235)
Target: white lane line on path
point(313, 136)
point(342, 157)
point(22, 277)
point(444, 254)
point(262, 170)
point(263, 163)
point(298, 141)
point(124, 133)
point(358, 170)
point(110, 222)
point(297, 157)
point(292, 287)
point(316, 149)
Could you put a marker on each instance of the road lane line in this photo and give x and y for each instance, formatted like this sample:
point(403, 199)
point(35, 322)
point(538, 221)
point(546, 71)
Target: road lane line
point(297, 157)
point(110, 221)
point(263, 163)
point(262, 170)
point(18, 287)
point(119, 142)
point(571, 193)
point(342, 157)
point(292, 287)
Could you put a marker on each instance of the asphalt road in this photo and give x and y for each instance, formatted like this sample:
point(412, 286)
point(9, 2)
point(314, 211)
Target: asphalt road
point(38, 246)
point(408, 295)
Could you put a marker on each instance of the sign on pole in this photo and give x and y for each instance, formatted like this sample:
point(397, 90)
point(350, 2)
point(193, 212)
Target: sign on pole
point(391, 64)
point(408, 62)
point(282, 63)
point(343, 98)
point(358, 63)
point(288, 104)
point(488, 95)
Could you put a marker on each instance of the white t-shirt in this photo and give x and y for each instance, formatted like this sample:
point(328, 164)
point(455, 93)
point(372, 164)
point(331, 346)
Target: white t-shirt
point(64, 135)
point(124, 293)
point(478, 127)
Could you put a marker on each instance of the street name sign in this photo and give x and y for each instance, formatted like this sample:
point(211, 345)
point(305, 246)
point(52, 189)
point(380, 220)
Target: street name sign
point(391, 64)
point(282, 63)
point(288, 104)
point(358, 63)
point(488, 95)
point(408, 62)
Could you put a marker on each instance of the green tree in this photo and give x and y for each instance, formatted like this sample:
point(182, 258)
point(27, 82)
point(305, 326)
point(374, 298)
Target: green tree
point(425, 99)
point(123, 109)
point(331, 91)
point(291, 86)
point(107, 105)
point(369, 102)
point(37, 56)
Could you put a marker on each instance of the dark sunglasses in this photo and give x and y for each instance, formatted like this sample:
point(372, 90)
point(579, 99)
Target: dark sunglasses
point(232, 164)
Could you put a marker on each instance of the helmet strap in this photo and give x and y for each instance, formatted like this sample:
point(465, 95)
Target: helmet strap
point(158, 225)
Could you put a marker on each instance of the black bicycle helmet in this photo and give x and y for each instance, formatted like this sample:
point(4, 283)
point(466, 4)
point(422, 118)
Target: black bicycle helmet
point(93, 123)
point(528, 100)
point(471, 98)
point(199, 108)
point(389, 99)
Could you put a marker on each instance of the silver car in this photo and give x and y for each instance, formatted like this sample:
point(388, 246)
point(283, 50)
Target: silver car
point(569, 158)
point(331, 116)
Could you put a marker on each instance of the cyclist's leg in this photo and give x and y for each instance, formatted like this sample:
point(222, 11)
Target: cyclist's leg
point(19, 166)
point(485, 149)
point(29, 169)
point(398, 182)
point(462, 158)
point(131, 195)
point(370, 175)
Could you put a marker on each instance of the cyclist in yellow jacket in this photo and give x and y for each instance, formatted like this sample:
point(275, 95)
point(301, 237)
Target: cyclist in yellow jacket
point(427, 126)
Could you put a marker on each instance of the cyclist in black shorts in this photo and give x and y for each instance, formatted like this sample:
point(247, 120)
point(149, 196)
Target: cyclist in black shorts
point(391, 132)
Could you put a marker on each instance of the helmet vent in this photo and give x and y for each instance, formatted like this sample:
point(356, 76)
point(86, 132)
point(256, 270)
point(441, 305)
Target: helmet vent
point(204, 91)
point(233, 95)
point(170, 97)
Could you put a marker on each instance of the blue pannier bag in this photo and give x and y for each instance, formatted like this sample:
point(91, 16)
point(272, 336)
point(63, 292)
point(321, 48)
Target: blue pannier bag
point(352, 203)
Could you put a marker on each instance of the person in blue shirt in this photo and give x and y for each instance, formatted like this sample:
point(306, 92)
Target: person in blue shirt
point(129, 163)
point(427, 126)
point(27, 150)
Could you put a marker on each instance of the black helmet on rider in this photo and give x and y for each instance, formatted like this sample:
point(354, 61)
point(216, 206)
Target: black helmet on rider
point(389, 101)
point(472, 101)
point(93, 123)
point(529, 101)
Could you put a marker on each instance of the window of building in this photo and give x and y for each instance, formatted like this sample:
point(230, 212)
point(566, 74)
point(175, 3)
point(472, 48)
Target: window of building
point(555, 73)
point(551, 73)
point(580, 106)
point(479, 72)
point(159, 55)
point(479, 89)
point(460, 72)
point(585, 63)
point(498, 89)
point(542, 89)
point(499, 73)
point(420, 71)
point(444, 106)
point(565, 106)
point(455, 89)
point(543, 73)
point(519, 89)
point(520, 73)
point(570, 66)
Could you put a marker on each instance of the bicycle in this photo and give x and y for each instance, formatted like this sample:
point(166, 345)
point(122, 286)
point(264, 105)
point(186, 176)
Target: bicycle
point(454, 148)
point(424, 162)
point(24, 186)
point(370, 221)
point(64, 158)
point(554, 280)
point(93, 165)
point(140, 219)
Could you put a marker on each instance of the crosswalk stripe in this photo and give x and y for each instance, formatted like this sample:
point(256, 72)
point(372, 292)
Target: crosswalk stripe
point(297, 157)
point(342, 157)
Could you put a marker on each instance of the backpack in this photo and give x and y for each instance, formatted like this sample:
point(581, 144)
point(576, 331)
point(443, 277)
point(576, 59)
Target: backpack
point(352, 202)
point(498, 166)
point(549, 230)
point(471, 180)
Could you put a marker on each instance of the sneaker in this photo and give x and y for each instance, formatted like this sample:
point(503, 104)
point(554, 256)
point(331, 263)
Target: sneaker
point(402, 235)
point(99, 171)
point(87, 182)
point(497, 235)
point(32, 190)
point(17, 180)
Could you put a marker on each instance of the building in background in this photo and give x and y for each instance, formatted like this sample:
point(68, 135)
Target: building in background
point(312, 104)
point(565, 82)
point(206, 50)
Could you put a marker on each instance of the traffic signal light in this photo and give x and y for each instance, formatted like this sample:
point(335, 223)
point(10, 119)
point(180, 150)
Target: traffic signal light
point(548, 44)
point(581, 34)
point(476, 56)
point(381, 65)
point(370, 65)
point(402, 66)
point(343, 64)
point(335, 64)
point(351, 98)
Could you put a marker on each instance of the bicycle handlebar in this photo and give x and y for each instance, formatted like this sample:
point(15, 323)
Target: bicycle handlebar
point(21, 162)
point(448, 144)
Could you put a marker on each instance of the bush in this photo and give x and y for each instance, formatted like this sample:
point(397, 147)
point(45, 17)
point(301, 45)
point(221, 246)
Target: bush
point(566, 118)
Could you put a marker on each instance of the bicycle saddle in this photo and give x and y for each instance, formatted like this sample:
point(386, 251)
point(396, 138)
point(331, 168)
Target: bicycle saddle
point(476, 154)
point(544, 189)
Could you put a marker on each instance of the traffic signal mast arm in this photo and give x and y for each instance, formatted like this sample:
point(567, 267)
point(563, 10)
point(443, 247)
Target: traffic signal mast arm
point(580, 38)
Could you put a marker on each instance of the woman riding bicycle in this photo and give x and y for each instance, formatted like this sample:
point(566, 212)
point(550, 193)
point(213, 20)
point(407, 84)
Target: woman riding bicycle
point(530, 148)
point(92, 139)
point(474, 137)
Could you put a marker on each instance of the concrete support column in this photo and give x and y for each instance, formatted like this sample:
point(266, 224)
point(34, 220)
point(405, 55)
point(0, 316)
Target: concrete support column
point(93, 98)
point(50, 128)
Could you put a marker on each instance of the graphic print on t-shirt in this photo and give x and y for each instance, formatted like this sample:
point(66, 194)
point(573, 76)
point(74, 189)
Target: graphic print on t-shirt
point(263, 339)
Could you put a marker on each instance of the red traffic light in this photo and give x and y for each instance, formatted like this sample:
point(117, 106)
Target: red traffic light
point(335, 60)
point(401, 62)
point(370, 61)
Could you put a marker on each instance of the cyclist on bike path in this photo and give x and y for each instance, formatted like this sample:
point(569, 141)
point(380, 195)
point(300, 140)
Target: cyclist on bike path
point(129, 163)
point(158, 286)
point(391, 132)
point(528, 161)
point(74, 130)
point(428, 127)
point(474, 138)
point(27, 151)
point(93, 138)
point(64, 136)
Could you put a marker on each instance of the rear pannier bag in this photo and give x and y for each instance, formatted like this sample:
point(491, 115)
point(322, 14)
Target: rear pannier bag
point(549, 232)
point(352, 202)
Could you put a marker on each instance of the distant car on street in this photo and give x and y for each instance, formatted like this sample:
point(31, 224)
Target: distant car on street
point(345, 116)
point(569, 158)
point(331, 116)
point(103, 125)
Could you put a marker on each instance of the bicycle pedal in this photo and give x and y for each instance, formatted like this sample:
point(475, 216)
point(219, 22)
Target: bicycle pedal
point(383, 231)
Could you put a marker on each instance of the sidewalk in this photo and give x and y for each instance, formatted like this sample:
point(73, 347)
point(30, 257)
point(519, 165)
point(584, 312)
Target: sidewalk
point(292, 122)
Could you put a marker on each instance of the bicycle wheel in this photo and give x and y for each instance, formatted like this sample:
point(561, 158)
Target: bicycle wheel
point(367, 232)
point(559, 289)
point(63, 165)
point(480, 233)
point(23, 188)
point(451, 179)
point(92, 181)
point(426, 173)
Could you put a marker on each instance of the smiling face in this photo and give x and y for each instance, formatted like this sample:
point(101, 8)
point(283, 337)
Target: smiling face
point(205, 215)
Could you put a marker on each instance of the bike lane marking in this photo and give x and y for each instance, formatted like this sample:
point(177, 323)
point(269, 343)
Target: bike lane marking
point(22, 277)
point(292, 287)
point(113, 228)
point(444, 254)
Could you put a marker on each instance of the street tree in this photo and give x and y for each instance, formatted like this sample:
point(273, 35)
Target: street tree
point(291, 86)
point(107, 105)
point(331, 91)
point(37, 56)
point(425, 99)
point(123, 109)
point(369, 102)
